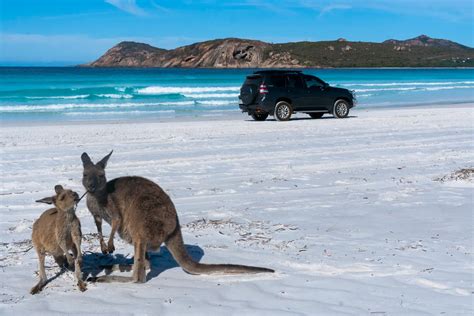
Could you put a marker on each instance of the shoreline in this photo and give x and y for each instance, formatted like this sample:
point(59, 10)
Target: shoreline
point(250, 68)
point(229, 115)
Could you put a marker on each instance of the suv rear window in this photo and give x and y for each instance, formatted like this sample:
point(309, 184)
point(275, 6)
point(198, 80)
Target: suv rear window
point(277, 81)
point(253, 79)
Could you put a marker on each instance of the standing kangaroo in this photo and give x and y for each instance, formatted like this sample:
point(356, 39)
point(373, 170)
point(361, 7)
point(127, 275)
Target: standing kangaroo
point(57, 231)
point(143, 215)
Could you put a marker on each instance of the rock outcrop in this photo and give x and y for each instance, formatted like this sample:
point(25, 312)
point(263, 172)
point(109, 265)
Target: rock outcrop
point(226, 53)
point(130, 54)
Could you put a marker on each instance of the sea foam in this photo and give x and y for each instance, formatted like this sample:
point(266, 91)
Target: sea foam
point(182, 90)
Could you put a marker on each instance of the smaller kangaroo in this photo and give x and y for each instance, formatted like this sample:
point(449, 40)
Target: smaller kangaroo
point(57, 231)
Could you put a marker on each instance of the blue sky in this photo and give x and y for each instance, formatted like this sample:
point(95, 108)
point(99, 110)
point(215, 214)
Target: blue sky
point(62, 32)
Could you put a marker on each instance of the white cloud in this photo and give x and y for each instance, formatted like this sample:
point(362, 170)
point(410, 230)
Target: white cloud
point(333, 7)
point(159, 7)
point(452, 11)
point(455, 10)
point(129, 6)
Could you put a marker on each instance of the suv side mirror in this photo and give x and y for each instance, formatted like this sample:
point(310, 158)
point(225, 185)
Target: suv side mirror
point(325, 85)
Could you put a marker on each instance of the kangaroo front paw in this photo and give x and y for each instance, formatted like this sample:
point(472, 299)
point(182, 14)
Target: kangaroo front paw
point(104, 248)
point(111, 248)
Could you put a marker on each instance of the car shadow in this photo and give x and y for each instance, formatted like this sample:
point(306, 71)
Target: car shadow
point(94, 264)
point(304, 119)
point(318, 119)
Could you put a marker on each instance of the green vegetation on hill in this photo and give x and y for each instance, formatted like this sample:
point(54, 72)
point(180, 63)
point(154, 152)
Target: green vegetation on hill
point(362, 54)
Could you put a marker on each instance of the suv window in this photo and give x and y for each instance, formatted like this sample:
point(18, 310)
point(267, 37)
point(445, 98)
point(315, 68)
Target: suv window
point(295, 81)
point(278, 81)
point(253, 79)
point(313, 82)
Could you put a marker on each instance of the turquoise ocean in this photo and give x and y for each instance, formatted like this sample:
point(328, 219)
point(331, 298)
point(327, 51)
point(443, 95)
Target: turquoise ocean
point(91, 94)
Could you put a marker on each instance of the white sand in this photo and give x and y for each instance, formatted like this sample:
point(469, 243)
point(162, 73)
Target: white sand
point(347, 212)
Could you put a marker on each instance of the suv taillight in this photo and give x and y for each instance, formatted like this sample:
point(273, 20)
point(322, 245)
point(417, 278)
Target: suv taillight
point(263, 89)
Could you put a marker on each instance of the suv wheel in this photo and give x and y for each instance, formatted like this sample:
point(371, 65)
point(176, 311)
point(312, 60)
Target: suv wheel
point(316, 115)
point(259, 116)
point(283, 111)
point(341, 109)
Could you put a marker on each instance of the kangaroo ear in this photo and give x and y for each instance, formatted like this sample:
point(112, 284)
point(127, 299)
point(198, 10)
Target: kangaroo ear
point(103, 162)
point(86, 160)
point(58, 189)
point(47, 200)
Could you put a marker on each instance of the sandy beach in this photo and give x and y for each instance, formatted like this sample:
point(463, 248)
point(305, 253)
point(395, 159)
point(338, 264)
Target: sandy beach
point(358, 216)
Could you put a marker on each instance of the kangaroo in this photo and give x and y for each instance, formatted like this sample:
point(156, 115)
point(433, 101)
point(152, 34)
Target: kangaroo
point(57, 231)
point(143, 215)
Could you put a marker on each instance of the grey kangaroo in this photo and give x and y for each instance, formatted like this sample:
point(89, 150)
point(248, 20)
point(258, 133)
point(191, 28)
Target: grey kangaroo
point(143, 215)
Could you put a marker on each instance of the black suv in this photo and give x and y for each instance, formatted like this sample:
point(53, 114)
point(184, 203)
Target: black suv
point(282, 92)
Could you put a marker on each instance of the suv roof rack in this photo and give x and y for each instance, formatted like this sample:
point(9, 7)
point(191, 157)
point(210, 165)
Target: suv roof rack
point(277, 71)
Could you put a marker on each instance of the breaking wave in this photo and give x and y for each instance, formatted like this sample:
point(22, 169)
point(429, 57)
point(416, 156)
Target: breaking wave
point(414, 88)
point(211, 95)
point(388, 84)
point(93, 106)
point(82, 96)
point(182, 90)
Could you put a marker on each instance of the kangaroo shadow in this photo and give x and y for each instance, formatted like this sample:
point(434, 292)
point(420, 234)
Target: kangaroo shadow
point(54, 277)
point(163, 260)
point(94, 264)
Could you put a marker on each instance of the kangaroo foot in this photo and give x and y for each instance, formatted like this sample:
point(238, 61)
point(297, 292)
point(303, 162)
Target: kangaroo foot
point(104, 248)
point(82, 286)
point(140, 280)
point(37, 288)
point(110, 248)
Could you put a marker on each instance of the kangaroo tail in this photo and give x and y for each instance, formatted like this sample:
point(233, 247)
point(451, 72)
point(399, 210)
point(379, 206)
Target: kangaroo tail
point(175, 245)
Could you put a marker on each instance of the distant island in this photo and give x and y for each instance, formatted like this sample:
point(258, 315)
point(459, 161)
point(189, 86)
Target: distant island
point(421, 51)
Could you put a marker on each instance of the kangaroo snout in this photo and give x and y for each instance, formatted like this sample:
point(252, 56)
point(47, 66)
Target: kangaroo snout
point(91, 186)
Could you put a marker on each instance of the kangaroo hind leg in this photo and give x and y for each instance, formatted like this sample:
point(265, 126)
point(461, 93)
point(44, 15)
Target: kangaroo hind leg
point(139, 262)
point(78, 261)
point(42, 274)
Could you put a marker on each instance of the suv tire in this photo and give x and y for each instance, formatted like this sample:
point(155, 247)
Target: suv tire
point(259, 116)
point(283, 111)
point(340, 109)
point(316, 115)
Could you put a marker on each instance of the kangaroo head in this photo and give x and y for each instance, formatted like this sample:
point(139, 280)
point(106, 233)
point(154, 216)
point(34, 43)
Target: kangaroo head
point(94, 174)
point(64, 200)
